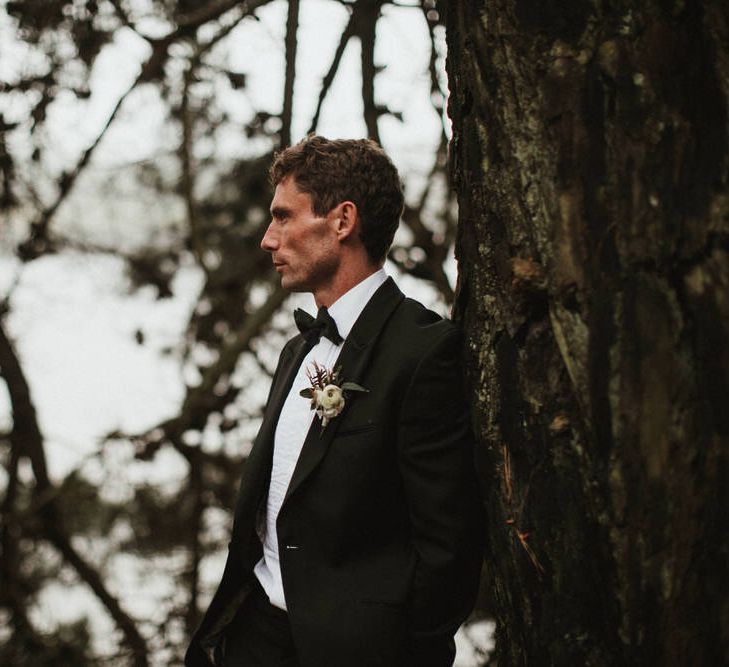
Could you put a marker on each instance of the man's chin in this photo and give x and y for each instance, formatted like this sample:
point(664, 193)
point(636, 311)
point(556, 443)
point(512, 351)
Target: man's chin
point(292, 285)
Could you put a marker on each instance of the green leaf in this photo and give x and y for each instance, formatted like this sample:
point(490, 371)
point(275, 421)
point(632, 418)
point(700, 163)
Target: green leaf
point(307, 393)
point(352, 386)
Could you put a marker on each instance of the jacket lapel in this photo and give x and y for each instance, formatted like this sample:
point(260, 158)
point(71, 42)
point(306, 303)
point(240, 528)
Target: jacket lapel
point(353, 361)
point(255, 482)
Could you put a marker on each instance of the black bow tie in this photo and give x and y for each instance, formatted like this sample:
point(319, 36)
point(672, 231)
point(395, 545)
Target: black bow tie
point(313, 328)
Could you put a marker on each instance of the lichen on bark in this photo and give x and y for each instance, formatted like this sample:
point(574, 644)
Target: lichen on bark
point(591, 157)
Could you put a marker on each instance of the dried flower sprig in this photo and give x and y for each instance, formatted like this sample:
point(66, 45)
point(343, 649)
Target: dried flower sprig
point(327, 396)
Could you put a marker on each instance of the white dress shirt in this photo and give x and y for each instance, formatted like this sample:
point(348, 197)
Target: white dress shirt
point(294, 423)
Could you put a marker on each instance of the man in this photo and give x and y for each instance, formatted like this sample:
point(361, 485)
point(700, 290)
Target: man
point(355, 540)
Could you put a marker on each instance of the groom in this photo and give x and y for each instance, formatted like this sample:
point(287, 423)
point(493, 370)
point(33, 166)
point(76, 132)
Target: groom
point(355, 537)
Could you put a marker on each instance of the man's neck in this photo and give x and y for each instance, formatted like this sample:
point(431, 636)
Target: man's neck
point(346, 280)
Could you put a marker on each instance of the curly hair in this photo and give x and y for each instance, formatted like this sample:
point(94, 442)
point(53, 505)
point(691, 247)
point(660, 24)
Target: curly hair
point(331, 171)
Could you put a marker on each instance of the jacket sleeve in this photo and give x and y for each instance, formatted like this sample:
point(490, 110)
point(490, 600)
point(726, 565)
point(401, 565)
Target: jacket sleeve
point(435, 445)
point(196, 657)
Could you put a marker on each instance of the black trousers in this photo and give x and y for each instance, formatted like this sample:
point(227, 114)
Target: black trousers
point(259, 635)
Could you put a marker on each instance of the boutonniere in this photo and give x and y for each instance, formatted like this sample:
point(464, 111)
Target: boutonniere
point(327, 395)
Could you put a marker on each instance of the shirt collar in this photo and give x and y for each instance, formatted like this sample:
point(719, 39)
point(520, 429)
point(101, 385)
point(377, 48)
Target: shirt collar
point(348, 307)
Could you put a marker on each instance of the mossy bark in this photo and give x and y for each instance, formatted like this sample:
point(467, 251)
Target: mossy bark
point(590, 154)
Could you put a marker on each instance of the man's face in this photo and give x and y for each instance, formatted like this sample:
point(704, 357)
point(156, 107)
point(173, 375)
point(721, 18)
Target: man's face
point(303, 246)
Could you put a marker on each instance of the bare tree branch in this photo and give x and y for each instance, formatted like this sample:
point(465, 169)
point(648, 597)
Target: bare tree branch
point(192, 575)
point(201, 400)
point(10, 595)
point(38, 241)
point(186, 145)
point(435, 89)
point(368, 12)
point(329, 77)
point(188, 179)
point(213, 10)
point(362, 24)
point(27, 440)
point(92, 578)
point(436, 249)
point(292, 24)
point(25, 435)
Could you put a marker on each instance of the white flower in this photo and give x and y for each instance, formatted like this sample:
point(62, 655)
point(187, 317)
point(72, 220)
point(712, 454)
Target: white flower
point(326, 396)
point(331, 398)
point(328, 403)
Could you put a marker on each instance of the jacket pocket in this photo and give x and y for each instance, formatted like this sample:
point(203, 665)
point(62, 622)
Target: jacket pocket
point(389, 604)
point(353, 430)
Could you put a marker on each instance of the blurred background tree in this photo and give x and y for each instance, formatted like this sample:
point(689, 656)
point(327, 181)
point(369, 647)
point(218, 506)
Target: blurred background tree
point(135, 137)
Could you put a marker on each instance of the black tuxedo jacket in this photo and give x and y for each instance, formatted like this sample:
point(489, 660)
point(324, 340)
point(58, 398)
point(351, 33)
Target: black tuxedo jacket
point(378, 533)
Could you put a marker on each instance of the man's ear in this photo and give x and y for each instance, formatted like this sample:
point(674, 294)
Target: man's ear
point(346, 219)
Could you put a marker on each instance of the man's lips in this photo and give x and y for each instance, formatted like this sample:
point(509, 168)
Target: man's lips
point(278, 265)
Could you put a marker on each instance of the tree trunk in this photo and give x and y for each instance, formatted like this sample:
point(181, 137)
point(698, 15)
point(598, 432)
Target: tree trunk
point(590, 154)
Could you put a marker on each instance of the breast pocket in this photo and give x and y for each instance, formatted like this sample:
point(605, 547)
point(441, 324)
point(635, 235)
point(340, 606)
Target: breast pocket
point(355, 429)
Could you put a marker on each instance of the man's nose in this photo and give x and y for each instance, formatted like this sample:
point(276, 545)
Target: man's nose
point(269, 242)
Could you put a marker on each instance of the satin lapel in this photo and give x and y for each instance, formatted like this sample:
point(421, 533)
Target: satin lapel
point(353, 361)
point(261, 457)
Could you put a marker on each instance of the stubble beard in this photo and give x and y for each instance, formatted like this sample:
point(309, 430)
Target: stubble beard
point(314, 277)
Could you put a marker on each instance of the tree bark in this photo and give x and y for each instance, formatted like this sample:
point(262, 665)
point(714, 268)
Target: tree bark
point(590, 155)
